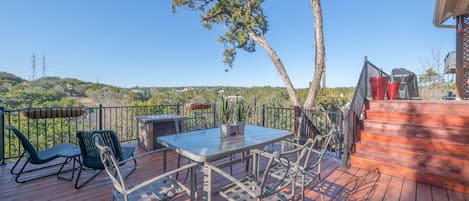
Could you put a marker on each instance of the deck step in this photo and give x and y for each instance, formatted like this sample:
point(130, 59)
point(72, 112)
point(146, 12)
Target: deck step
point(426, 141)
point(421, 106)
point(433, 145)
point(456, 134)
point(427, 175)
point(453, 120)
point(415, 157)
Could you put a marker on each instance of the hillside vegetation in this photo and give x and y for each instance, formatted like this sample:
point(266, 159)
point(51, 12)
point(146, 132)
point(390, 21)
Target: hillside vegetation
point(16, 92)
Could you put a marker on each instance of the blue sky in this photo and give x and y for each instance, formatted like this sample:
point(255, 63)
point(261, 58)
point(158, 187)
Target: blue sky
point(142, 43)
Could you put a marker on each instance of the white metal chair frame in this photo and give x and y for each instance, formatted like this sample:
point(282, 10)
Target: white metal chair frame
point(165, 185)
point(310, 167)
point(267, 187)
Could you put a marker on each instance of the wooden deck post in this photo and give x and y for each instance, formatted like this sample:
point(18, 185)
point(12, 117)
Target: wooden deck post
point(297, 119)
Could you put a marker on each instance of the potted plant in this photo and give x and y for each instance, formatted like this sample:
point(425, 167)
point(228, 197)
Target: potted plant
point(242, 114)
point(226, 118)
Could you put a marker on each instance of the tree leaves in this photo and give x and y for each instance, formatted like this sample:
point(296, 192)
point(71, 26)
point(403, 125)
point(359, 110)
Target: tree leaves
point(239, 17)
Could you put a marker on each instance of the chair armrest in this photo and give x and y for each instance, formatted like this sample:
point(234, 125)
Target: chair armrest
point(299, 147)
point(292, 139)
point(167, 174)
point(142, 155)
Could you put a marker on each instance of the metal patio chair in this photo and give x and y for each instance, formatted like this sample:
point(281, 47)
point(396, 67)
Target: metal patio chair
point(162, 187)
point(67, 151)
point(90, 153)
point(191, 124)
point(255, 187)
point(310, 163)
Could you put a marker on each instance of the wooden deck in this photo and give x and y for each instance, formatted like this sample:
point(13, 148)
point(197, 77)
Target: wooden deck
point(338, 184)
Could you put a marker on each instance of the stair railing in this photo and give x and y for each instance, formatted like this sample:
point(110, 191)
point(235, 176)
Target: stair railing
point(362, 90)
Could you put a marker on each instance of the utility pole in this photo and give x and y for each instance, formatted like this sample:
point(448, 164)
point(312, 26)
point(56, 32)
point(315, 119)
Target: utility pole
point(34, 68)
point(43, 66)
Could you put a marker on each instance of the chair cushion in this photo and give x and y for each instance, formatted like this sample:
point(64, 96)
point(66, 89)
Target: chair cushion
point(127, 152)
point(162, 189)
point(61, 150)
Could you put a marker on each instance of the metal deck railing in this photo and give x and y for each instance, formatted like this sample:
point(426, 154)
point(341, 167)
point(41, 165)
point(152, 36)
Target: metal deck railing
point(47, 132)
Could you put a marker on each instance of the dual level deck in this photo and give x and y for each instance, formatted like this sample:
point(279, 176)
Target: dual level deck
point(339, 184)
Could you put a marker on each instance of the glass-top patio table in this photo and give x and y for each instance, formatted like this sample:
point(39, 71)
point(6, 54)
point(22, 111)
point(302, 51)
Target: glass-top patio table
point(205, 146)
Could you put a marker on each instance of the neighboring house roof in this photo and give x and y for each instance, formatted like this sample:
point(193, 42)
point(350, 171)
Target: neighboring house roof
point(444, 9)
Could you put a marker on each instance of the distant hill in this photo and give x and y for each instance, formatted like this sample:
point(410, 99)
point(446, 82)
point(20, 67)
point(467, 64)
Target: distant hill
point(16, 92)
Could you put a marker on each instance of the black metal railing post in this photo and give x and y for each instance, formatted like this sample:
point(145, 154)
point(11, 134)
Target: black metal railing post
point(178, 111)
point(2, 136)
point(367, 79)
point(340, 125)
point(214, 114)
point(100, 120)
point(263, 115)
point(303, 121)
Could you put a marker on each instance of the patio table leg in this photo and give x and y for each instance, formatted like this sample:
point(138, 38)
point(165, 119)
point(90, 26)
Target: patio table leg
point(193, 184)
point(255, 165)
point(207, 194)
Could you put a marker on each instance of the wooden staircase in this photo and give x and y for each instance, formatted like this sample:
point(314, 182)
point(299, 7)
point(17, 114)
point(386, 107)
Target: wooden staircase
point(424, 141)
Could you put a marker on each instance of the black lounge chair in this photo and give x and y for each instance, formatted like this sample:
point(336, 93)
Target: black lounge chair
point(90, 153)
point(67, 151)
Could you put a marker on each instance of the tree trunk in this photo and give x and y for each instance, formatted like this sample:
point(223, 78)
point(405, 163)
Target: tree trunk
point(324, 77)
point(320, 54)
point(279, 65)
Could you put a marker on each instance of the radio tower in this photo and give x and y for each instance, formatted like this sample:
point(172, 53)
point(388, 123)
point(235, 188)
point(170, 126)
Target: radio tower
point(34, 67)
point(43, 66)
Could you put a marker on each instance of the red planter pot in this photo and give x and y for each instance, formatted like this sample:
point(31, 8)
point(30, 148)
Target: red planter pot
point(378, 87)
point(393, 90)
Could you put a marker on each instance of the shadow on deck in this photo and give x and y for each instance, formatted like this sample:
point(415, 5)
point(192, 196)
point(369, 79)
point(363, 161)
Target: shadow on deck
point(338, 184)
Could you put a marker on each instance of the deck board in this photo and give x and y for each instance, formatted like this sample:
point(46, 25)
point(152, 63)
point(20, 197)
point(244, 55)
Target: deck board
point(330, 189)
point(455, 196)
point(362, 186)
point(342, 182)
point(466, 197)
point(394, 189)
point(381, 187)
point(313, 190)
point(338, 183)
point(439, 194)
point(409, 188)
point(424, 192)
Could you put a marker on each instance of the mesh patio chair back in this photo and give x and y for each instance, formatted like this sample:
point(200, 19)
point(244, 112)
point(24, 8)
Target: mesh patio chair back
point(194, 123)
point(28, 147)
point(110, 163)
point(89, 151)
point(91, 155)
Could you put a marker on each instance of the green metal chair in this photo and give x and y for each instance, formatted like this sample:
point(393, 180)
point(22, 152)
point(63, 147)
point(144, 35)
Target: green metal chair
point(90, 153)
point(162, 187)
point(67, 151)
